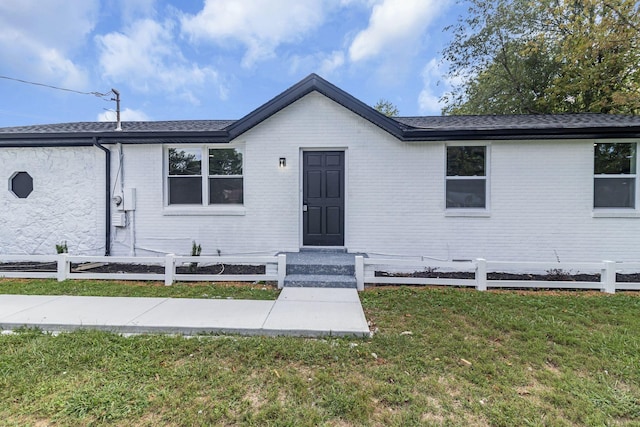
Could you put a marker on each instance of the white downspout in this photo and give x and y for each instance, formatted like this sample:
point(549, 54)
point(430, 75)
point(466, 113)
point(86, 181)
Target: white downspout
point(121, 167)
point(130, 208)
point(132, 233)
point(129, 205)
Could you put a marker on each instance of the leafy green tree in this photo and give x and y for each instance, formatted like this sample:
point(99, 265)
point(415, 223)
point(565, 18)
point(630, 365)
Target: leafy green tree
point(184, 162)
point(598, 47)
point(387, 108)
point(614, 158)
point(226, 161)
point(545, 56)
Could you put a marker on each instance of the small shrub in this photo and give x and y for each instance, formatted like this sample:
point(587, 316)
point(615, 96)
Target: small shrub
point(62, 248)
point(196, 250)
point(558, 274)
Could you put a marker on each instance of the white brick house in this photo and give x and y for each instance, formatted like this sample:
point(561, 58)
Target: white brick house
point(316, 167)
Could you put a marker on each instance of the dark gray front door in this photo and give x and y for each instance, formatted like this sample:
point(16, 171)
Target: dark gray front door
point(323, 198)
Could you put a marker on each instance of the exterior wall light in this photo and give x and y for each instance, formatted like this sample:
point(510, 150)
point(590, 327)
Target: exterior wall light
point(283, 162)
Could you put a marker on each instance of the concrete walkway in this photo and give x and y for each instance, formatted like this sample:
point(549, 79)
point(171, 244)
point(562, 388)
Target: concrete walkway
point(309, 312)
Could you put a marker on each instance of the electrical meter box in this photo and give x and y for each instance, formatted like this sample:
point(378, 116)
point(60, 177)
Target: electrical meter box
point(129, 199)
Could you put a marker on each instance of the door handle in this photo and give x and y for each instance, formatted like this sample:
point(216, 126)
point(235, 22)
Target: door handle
point(304, 207)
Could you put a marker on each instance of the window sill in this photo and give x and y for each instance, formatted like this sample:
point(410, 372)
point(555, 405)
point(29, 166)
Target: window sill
point(615, 213)
point(204, 211)
point(467, 213)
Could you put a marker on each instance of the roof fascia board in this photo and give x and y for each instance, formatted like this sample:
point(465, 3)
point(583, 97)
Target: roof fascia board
point(411, 135)
point(82, 139)
point(416, 135)
point(34, 142)
point(311, 83)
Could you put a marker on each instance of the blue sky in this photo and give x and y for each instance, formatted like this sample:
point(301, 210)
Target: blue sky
point(214, 59)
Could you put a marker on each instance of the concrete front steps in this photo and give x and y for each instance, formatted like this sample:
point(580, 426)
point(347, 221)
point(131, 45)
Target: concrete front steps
point(320, 269)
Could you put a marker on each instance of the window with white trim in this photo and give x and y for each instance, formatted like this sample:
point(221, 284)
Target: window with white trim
point(225, 176)
point(615, 175)
point(466, 181)
point(216, 181)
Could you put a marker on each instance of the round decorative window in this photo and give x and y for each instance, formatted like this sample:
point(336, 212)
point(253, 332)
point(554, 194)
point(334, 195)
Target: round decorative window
point(21, 184)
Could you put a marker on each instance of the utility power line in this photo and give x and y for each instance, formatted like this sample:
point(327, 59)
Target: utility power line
point(115, 93)
point(98, 94)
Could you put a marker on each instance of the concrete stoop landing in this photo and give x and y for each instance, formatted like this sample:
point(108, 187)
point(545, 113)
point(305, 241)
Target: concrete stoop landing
point(313, 268)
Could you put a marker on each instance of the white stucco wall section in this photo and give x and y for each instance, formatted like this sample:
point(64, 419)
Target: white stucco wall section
point(67, 202)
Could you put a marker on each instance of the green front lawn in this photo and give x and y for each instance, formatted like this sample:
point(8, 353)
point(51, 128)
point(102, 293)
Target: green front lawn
point(106, 288)
point(440, 357)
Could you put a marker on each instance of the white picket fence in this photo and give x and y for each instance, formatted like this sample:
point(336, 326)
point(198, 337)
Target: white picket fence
point(366, 268)
point(275, 268)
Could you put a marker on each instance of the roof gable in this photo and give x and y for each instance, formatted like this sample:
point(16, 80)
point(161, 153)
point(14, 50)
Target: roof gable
point(312, 83)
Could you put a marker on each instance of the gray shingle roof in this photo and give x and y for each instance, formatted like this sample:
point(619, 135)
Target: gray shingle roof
point(442, 123)
point(428, 128)
point(540, 121)
point(105, 127)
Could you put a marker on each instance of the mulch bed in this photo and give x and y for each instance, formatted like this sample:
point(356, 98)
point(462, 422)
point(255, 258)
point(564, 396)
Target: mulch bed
point(29, 266)
point(136, 268)
point(159, 269)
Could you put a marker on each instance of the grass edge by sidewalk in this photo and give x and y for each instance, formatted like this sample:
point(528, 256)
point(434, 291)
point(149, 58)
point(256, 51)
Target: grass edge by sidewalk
point(205, 290)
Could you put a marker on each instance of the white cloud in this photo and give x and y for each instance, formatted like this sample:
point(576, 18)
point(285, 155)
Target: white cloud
point(325, 64)
point(260, 25)
point(146, 57)
point(131, 10)
point(331, 63)
point(62, 24)
point(39, 38)
point(393, 25)
point(126, 115)
point(348, 3)
point(429, 100)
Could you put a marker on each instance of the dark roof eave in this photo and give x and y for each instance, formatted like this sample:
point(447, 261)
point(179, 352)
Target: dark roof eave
point(71, 139)
point(407, 135)
point(417, 135)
